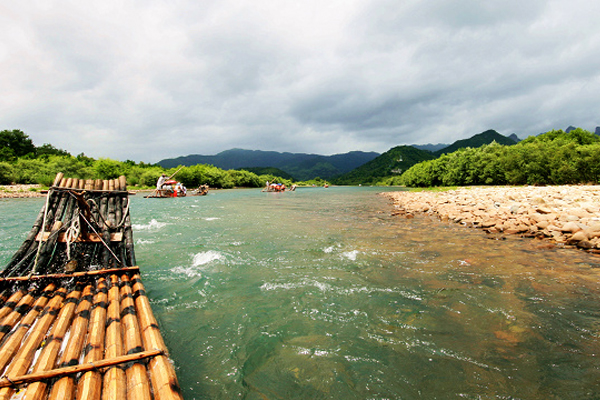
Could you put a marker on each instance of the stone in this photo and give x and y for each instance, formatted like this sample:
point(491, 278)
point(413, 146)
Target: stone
point(578, 236)
point(488, 223)
point(542, 224)
point(592, 233)
point(553, 228)
point(570, 227)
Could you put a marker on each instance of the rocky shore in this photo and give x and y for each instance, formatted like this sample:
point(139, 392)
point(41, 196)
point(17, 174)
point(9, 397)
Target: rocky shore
point(19, 191)
point(565, 215)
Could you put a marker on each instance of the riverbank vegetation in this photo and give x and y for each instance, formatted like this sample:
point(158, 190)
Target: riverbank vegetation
point(552, 158)
point(21, 162)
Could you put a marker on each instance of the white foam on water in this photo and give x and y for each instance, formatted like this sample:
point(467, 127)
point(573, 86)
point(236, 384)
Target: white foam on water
point(206, 257)
point(190, 272)
point(200, 259)
point(351, 255)
point(323, 287)
point(210, 218)
point(143, 241)
point(153, 224)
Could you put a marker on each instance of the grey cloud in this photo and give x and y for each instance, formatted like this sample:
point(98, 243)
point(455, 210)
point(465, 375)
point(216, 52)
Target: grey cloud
point(151, 80)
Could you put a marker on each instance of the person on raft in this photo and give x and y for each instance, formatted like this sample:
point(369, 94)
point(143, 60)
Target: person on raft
point(161, 181)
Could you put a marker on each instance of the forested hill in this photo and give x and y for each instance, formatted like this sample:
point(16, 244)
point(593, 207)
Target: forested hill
point(478, 140)
point(393, 162)
point(300, 165)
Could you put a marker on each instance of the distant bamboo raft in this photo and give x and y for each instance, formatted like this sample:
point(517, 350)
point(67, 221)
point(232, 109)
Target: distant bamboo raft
point(75, 321)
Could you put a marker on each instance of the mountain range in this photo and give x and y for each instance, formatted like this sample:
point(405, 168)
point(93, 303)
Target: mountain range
point(349, 168)
point(399, 159)
point(301, 166)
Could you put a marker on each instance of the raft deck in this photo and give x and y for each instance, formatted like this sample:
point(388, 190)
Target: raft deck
point(75, 321)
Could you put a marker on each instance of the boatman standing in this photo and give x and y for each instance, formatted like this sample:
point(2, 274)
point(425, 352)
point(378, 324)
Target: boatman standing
point(161, 181)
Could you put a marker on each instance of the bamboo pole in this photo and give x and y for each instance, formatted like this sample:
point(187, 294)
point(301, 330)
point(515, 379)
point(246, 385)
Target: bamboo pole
point(90, 384)
point(53, 215)
point(64, 388)
point(112, 212)
point(12, 344)
point(22, 308)
point(164, 380)
point(122, 182)
point(4, 296)
point(113, 223)
point(128, 230)
point(138, 387)
point(73, 275)
point(118, 211)
point(50, 352)
point(11, 303)
point(115, 382)
point(75, 369)
point(58, 178)
point(24, 357)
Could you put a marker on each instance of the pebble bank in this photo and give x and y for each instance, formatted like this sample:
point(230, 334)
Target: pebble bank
point(19, 191)
point(566, 215)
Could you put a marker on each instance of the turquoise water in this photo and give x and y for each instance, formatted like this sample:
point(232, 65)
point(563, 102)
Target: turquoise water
point(321, 294)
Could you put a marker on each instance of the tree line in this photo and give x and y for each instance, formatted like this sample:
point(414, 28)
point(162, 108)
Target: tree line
point(22, 162)
point(552, 158)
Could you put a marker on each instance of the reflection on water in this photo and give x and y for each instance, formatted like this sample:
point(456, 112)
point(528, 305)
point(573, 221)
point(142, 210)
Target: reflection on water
point(321, 294)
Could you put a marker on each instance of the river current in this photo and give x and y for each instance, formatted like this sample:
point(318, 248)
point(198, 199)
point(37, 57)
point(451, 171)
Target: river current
point(322, 294)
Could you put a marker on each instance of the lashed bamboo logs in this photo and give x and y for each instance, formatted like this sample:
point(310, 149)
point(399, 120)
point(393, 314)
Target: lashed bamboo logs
point(24, 357)
point(115, 382)
point(10, 347)
point(10, 304)
point(50, 352)
point(8, 323)
point(101, 341)
point(90, 384)
point(138, 387)
point(64, 388)
point(164, 380)
point(76, 369)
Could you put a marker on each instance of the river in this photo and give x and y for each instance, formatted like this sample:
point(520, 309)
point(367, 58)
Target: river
point(322, 294)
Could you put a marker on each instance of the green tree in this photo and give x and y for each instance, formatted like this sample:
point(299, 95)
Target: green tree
point(47, 150)
point(6, 174)
point(17, 141)
point(107, 169)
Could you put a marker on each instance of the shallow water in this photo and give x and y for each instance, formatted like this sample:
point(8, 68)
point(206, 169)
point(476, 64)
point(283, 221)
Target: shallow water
point(321, 294)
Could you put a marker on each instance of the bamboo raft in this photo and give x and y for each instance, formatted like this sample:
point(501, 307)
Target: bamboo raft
point(75, 321)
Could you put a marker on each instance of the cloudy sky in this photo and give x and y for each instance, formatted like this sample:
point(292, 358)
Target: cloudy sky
point(150, 79)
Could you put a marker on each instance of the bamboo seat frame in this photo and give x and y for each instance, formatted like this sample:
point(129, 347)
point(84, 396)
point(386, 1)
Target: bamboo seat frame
point(75, 321)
